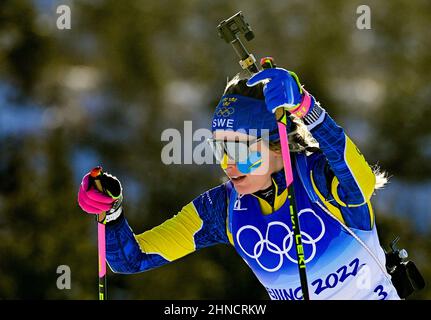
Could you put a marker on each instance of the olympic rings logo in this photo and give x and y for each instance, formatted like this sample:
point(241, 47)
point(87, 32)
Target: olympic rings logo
point(286, 245)
point(225, 112)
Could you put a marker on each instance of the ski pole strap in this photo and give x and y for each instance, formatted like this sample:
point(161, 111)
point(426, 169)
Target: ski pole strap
point(302, 110)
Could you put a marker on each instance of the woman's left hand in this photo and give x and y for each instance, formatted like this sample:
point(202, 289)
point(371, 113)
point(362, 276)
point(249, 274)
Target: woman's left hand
point(281, 89)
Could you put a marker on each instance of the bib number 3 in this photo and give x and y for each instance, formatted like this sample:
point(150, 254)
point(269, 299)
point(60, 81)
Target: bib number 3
point(382, 294)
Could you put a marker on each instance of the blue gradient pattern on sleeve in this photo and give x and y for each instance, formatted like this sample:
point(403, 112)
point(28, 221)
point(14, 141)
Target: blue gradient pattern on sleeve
point(211, 207)
point(125, 256)
point(331, 163)
point(332, 141)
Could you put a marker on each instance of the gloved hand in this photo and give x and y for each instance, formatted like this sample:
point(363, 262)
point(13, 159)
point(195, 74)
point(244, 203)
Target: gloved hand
point(94, 202)
point(282, 89)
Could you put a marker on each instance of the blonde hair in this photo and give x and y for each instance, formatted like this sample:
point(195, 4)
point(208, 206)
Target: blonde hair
point(300, 139)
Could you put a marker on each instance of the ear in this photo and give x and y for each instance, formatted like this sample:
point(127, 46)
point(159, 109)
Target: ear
point(278, 159)
point(276, 152)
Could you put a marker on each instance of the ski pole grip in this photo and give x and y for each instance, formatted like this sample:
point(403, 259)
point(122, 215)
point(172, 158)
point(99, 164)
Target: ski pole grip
point(280, 113)
point(95, 174)
point(267, 62)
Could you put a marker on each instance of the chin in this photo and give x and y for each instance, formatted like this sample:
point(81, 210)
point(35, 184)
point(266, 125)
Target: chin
point(245, 189)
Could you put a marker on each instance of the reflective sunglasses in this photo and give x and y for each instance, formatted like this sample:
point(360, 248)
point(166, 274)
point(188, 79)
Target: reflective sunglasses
point(236, 150)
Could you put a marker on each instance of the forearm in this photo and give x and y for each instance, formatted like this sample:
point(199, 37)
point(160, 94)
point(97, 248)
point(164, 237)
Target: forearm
point(200, 223)
point(184, 233)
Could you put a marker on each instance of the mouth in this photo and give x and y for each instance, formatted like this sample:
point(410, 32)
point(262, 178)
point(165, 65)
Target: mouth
point(237, 179)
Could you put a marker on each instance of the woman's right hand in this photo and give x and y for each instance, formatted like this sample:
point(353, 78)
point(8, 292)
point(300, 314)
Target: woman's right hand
point(93, 201)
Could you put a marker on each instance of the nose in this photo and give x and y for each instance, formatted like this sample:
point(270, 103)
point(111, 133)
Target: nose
point(231, 169)
point(227, 162)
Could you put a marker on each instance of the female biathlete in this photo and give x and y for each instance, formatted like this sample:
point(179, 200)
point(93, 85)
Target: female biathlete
point(333, 185)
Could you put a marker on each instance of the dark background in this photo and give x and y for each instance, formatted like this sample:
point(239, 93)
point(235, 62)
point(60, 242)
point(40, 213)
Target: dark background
point(103, 92)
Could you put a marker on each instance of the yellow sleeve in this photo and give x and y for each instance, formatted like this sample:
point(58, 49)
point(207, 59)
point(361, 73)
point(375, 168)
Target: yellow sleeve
point(360, 171)
point(174, 238)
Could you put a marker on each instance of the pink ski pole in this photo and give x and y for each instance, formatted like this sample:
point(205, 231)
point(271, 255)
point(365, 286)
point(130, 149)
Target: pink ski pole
point(101, 240)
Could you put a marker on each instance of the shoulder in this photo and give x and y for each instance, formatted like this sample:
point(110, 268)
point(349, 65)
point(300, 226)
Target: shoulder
point(211, 206)
point(319, 172)
point(313, 156)
point(316, 161)
point(212, 201)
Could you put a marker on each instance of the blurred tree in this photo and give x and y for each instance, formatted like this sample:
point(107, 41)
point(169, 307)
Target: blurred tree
point(105, 90)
